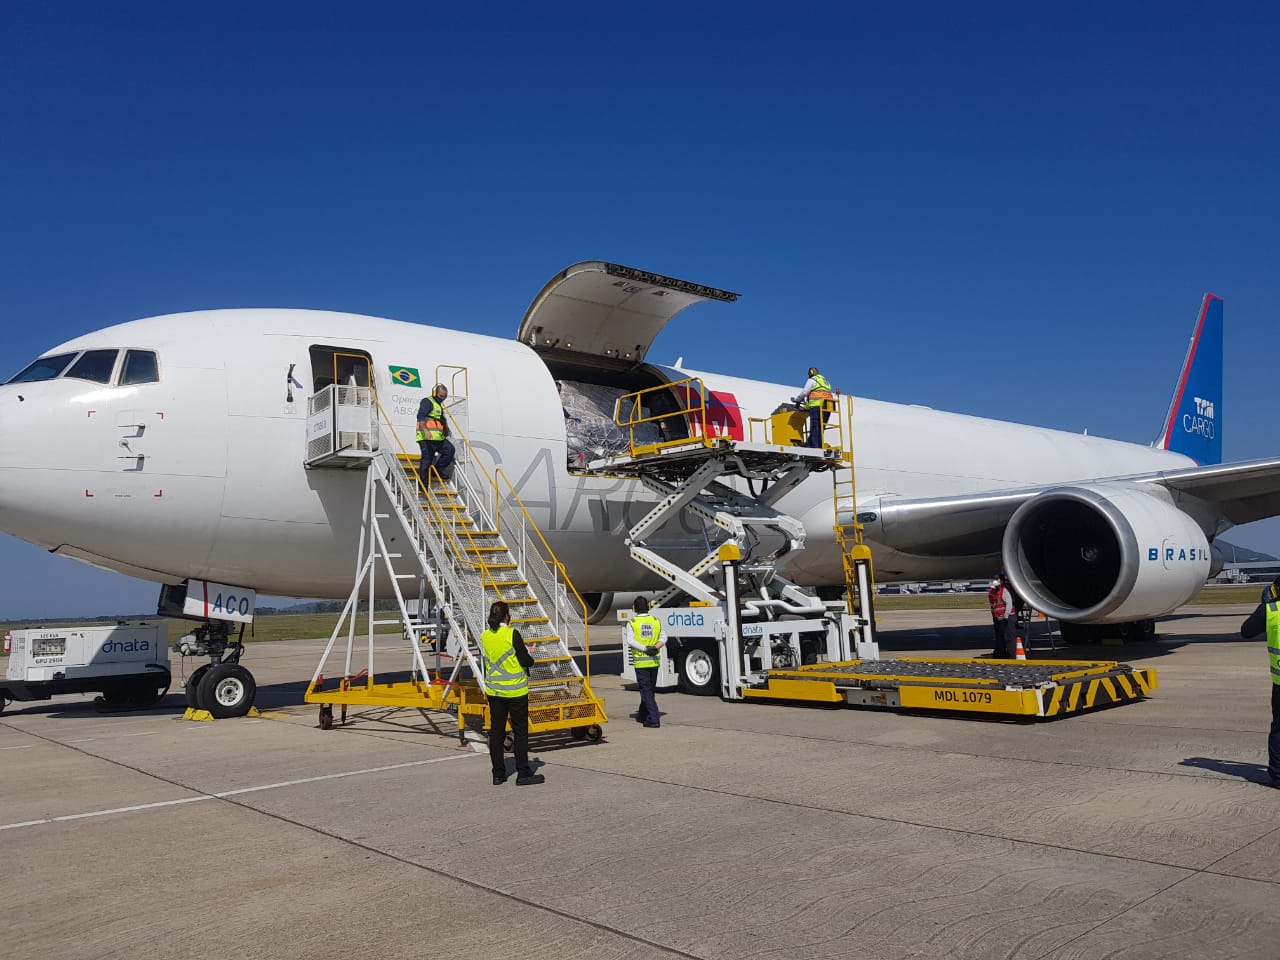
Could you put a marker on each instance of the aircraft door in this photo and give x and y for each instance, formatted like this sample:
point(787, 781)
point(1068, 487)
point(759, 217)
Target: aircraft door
point(340, 365)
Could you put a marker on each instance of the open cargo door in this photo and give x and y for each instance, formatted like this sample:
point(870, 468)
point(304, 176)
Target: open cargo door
point(606, 310)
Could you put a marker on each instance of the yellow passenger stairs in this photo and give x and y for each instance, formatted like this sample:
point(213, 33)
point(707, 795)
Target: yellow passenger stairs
point(461, 545)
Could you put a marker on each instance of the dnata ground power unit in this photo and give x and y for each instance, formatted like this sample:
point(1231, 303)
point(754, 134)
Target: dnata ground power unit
point(128, 665)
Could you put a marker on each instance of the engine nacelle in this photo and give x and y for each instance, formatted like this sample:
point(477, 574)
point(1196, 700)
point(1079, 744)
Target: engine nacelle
point(1105, 553)
point(603, 607)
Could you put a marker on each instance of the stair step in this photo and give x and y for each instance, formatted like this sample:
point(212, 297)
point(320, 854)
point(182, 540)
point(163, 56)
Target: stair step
point(530, 619)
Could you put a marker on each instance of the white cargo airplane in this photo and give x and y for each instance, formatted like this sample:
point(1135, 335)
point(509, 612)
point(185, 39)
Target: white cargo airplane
point(172, 447)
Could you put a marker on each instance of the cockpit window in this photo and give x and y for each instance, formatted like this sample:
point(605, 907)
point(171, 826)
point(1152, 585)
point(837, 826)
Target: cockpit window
point(46, 368)
point(95, 365)
point(139, 367)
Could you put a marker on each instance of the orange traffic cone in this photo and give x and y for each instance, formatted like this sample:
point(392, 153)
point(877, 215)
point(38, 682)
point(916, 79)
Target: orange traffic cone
point(1019, 652)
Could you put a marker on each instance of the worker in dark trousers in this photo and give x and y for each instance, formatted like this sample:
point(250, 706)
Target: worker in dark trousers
point(433, 436)
point(507, 663)
point(1267, 617)
point(1004, 619)
point(644, 641)
point(817, 395)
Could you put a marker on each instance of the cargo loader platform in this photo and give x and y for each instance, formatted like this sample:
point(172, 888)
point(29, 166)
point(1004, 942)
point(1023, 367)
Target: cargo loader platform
point(1014, 688)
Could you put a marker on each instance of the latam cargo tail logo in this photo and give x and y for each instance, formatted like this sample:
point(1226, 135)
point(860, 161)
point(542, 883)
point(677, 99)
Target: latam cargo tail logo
point(1200, 423)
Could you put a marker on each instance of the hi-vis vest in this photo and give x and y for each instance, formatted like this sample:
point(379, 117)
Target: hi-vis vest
point(503, 674)
point(1273, 639)
point(647, 630)
point(433, 422)
point(821, 391)
point(995, 596)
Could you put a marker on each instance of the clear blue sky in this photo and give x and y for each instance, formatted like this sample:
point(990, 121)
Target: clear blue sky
point(991, 208)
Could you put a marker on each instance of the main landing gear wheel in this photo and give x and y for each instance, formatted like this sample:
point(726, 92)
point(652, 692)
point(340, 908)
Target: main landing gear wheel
point(226, 691)
point(700, 672)
point(1138, 631)
point(192, 688)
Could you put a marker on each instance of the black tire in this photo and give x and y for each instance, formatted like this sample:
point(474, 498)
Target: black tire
point(326, 716)
point(1079, 632)
point(227, 691)
point(192, 687)
point(700, 670)
point(595, 733)
point(146, 692)
point(117, 695)
point(1138, 631)
point(578, 733)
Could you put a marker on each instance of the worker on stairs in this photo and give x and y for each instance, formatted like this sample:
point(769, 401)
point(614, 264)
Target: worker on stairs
point(433, 436)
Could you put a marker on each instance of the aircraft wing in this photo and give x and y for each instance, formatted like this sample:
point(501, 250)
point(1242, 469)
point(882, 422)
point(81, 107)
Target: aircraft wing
point(973, 524)
point(1243, 492)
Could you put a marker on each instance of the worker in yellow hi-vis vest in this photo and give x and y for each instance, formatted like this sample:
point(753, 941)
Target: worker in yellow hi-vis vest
point(817, 395)
point(433, 436)
point(644, 643)
point(507, 663)
point(1268, 615)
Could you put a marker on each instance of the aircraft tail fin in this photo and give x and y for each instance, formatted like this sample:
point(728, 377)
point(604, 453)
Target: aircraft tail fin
point(1193, 426)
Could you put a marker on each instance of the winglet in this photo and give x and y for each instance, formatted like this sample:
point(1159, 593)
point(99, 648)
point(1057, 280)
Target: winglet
point(1194, 424)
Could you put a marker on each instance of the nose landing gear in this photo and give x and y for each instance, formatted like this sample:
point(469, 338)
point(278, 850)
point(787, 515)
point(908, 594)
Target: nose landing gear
point(222, 687)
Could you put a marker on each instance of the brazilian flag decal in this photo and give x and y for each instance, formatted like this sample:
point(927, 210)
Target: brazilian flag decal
point(406, 376)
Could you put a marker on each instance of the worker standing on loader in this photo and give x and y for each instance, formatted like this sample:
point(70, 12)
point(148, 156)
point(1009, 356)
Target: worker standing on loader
point(817, 395)
point(644, 641)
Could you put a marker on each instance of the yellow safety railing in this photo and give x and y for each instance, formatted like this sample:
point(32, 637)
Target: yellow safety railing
point(488, 576)
point(632, 411)
point(458, 373)
point(789, 427)
point(449, 531)
point(549, 557)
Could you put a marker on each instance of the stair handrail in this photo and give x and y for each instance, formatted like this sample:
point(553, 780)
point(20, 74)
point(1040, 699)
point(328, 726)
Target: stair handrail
point(555, 590)
point(445, 534)
point(556, 593)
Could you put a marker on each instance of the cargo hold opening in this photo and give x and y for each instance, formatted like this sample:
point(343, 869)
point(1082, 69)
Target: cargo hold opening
point(589, 394)
point(593, 324)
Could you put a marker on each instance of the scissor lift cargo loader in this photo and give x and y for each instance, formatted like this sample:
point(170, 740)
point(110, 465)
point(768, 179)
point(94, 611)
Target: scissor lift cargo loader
point(744, 631)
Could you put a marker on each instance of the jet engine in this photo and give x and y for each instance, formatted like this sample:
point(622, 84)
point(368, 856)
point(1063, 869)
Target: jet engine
point(1105, 553)
point(602, 607)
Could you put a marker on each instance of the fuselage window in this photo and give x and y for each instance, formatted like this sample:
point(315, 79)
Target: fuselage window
point(95, 365)
point(139, 367)
point(46, 368)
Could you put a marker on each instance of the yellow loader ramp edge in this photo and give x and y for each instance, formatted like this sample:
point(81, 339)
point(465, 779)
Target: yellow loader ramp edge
point(1014, 688)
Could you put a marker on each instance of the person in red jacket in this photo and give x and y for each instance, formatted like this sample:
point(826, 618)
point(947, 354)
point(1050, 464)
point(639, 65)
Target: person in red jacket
point(1004, 619)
